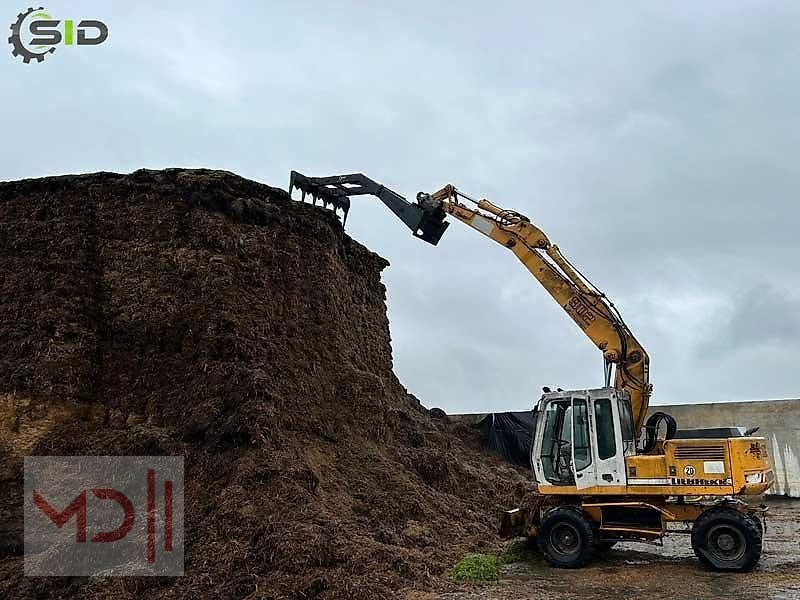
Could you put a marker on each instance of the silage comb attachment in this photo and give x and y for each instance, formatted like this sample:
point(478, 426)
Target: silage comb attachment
point(426, 224)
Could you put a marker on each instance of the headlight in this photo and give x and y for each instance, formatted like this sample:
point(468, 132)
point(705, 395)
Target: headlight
point(754, 477)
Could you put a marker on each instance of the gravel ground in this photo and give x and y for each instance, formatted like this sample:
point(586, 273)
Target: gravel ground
point(667, 572)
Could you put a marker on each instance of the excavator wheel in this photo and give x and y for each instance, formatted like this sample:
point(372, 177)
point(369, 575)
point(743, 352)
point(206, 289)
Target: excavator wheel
point(567, 538)
point(725, 539)
point(758, 523)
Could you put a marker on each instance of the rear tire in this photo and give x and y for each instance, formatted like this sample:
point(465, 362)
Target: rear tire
point(567, 538)
point(725, 539)
point(758, 523)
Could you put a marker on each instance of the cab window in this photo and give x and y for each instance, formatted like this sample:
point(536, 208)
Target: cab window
point(606, 438)
point(580, 442)
point(626, 424)
point(556, 443)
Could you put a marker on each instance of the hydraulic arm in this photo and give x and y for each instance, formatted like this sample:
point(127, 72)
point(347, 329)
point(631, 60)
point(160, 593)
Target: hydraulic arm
point(591, 310)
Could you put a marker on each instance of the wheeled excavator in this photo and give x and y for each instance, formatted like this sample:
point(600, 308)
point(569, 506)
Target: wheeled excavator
point(602, 472)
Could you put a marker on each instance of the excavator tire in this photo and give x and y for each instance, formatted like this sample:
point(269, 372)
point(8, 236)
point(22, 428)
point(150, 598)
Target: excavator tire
point(567, 538)
point(725, 539)
point(758, 523)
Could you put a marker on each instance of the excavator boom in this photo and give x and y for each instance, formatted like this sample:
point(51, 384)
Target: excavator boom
point(591, 310)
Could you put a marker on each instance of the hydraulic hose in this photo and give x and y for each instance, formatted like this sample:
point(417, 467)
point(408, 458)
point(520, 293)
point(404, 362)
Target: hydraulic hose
point(651, 429)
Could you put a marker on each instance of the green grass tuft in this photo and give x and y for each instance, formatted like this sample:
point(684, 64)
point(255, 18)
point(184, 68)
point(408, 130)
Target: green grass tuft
point(476, 568)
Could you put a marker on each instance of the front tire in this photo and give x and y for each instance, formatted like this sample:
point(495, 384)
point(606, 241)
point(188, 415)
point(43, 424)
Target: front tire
point(725, 539)
point(567, 538)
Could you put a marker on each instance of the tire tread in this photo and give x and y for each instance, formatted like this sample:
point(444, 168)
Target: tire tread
point(586, 528)
point(751, 529)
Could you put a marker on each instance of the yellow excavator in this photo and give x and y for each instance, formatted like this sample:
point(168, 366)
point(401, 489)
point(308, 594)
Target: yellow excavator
point(602, 471)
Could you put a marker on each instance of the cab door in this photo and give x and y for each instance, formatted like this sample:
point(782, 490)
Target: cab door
point(582, 436)
point(607, 443)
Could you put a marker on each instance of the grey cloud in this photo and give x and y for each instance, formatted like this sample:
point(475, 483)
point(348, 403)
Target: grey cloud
point(762, 316)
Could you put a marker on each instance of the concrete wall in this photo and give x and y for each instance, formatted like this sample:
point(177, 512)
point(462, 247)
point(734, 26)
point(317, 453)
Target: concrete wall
point(779, 421)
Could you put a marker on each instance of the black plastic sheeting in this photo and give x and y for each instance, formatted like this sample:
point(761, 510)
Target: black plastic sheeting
point(508, 435)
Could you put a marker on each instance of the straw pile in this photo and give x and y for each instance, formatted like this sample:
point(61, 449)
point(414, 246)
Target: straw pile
point(194, 312)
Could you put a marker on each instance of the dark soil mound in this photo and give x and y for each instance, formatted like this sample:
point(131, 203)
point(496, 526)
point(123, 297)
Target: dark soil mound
point(194, 312)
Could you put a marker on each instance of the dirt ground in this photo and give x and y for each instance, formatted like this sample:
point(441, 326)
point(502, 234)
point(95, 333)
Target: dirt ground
point(668, 572)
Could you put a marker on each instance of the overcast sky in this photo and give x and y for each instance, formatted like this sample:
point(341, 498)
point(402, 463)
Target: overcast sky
point(656, 143)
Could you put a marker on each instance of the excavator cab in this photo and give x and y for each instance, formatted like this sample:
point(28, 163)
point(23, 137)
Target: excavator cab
point(581, 440)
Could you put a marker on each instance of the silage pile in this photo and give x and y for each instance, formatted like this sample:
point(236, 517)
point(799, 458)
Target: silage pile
point(194, 312)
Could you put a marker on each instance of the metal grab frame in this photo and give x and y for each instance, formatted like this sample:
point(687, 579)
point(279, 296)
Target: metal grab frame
point(426, 224)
